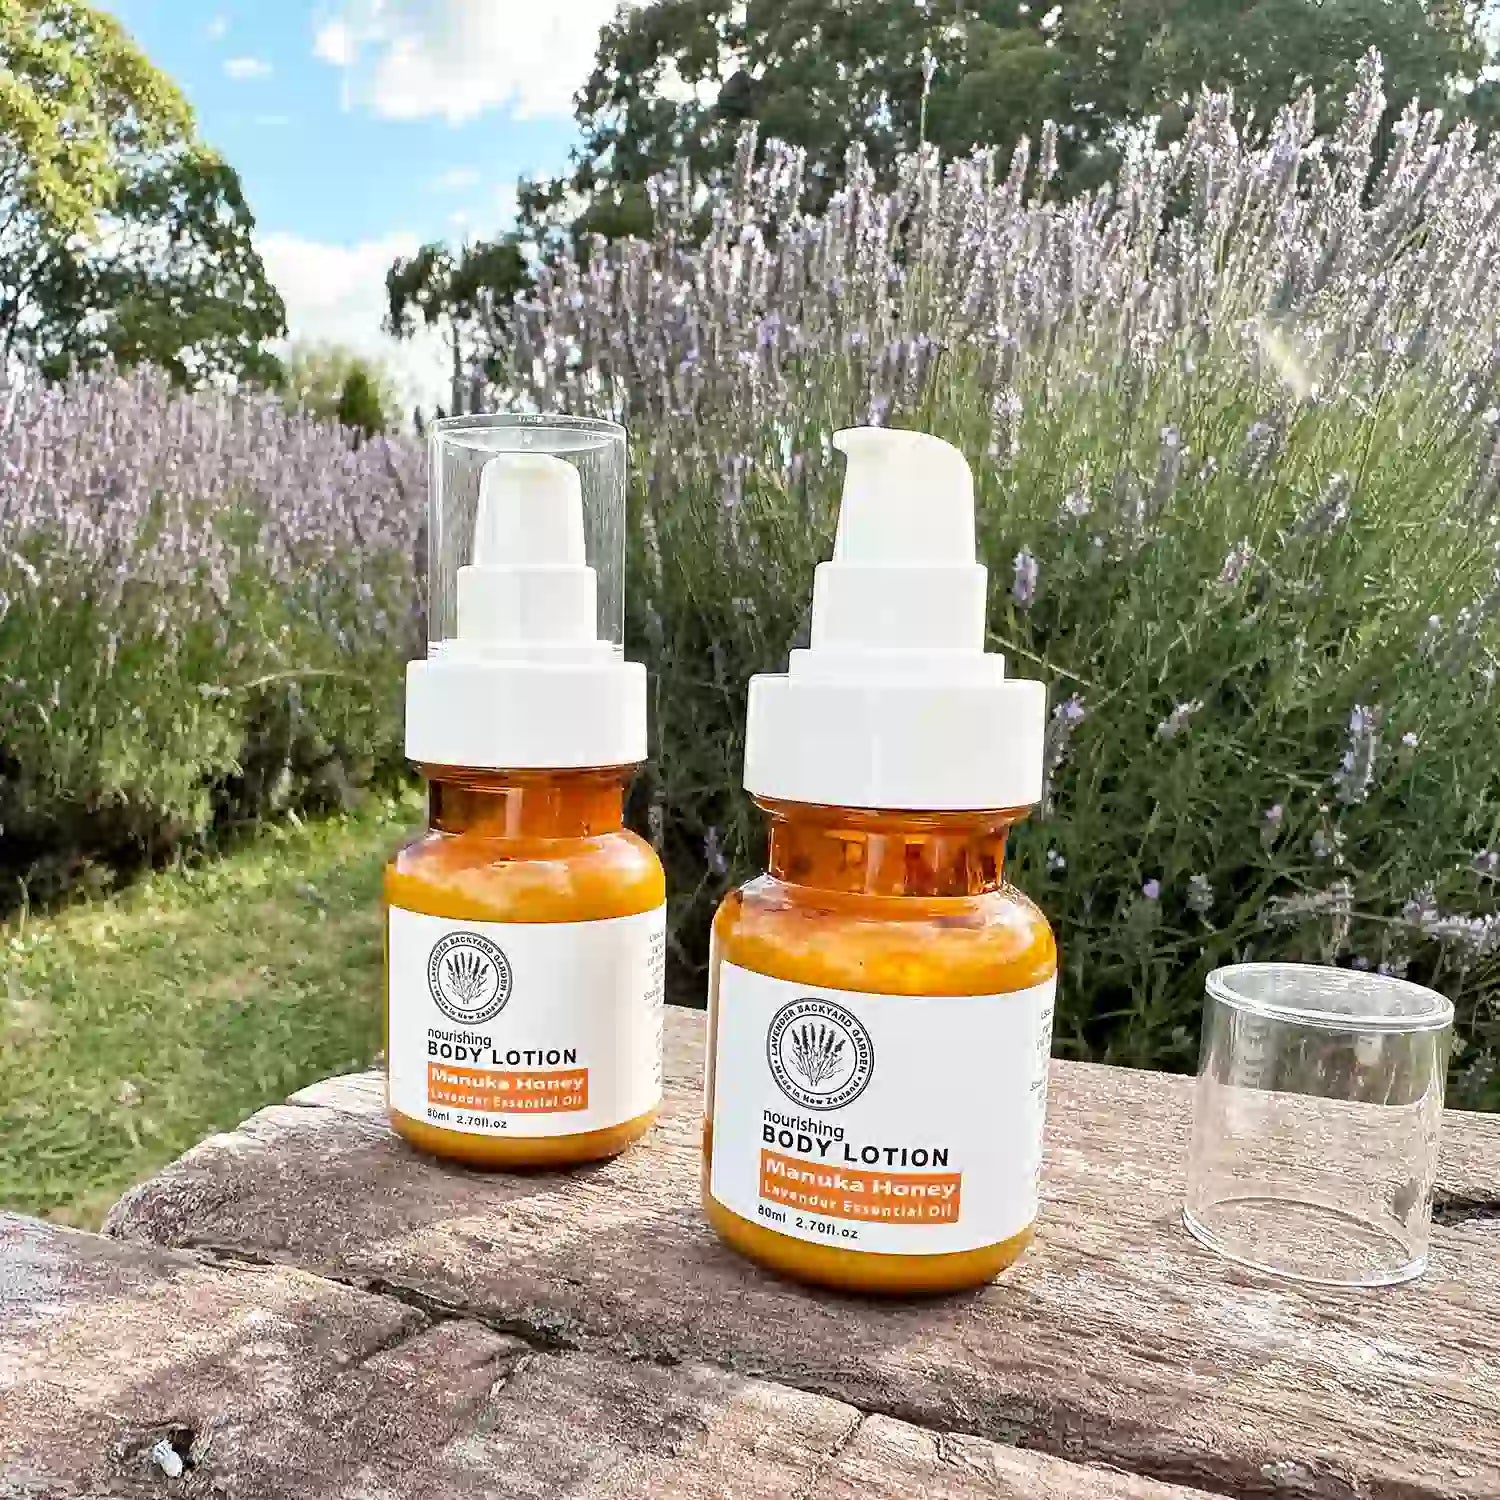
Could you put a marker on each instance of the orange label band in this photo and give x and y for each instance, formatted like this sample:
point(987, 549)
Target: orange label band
point(508, 1093)
point(886, 1197)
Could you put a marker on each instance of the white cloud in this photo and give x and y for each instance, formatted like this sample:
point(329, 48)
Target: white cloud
point(456, 179)
point(334, 43)
point(336, 294)
point(243, 68)
point(456, 59)
point(218, 28)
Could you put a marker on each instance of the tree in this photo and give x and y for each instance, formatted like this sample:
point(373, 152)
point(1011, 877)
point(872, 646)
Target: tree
point(336, 384)
point(464, 294)
point(675, 80)
point(121, 236)
point(360, 406)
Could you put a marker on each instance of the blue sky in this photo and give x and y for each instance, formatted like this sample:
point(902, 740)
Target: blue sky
point(361, 128)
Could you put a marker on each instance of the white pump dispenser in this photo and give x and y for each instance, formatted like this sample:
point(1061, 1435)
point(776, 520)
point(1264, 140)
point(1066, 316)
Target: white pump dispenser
point(526, 683)
point(896, 704)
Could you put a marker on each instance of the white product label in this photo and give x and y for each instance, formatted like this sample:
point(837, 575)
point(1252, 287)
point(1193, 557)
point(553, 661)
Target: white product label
point(900, 1124)
point(526, 1028)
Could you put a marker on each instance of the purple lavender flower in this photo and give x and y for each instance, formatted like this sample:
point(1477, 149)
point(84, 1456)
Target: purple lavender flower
point(1331, 511)
point(1078, 502)
point(1473, 937)
point(1026, 570)
point(1066, 718)
point(1152, 890)
point(1178, 719)
point(1236, 563)
point(1261, 440)
point(713, 854)
point(1356, 773)
point(1006, 411)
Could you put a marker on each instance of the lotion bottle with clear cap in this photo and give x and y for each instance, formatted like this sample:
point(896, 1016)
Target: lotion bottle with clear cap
point(880, 1001)
point(526, 927)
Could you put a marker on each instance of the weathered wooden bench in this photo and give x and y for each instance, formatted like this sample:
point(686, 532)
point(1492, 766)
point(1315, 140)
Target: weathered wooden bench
point(305, 1308)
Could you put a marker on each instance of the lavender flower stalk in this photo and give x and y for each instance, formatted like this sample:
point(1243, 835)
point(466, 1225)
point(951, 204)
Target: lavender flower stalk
point(1356, 773)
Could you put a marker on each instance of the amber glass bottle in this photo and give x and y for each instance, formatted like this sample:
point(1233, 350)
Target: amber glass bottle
point(881, 1001)
point(890, 904)
point(525, 930)
point(537, 867)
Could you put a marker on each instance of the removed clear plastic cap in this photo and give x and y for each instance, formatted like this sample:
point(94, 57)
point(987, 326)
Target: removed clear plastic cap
point(896, 704)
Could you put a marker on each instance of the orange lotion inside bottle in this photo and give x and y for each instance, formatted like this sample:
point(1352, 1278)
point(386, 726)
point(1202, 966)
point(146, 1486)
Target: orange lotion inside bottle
point(524, 847)
point(880, 903)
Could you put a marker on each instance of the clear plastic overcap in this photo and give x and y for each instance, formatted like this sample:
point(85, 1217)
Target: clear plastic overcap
point(526, 532)
point(525, 664)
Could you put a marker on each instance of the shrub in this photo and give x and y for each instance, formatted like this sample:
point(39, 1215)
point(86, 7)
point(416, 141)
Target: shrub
point(1237, 435)
point(205, 603)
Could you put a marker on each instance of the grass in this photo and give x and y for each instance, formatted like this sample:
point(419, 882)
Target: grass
point(132, 1027)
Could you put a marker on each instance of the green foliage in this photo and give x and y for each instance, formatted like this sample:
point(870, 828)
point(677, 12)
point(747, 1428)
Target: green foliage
point(197, 595)
point(124, 238)
point(77, 102)
point(360, 406)
point(1159, 856)
point(675, 80)
point(1235, 424)
point(466, 295)
point(131, 1028)
point(335, 384)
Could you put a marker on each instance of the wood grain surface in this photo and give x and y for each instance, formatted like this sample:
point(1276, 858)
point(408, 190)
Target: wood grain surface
point(1116, 1341)
point(129, 1371)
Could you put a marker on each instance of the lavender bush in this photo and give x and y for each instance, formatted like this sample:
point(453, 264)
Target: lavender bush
point(205, 604)
point(1237, 432)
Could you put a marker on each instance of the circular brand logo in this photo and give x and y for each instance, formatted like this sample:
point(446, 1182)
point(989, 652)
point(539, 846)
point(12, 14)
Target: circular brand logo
point(820, 1054)
point(469, 978)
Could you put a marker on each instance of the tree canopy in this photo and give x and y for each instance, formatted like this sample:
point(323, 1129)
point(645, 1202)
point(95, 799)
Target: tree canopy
point(462, 294)
point(337, 384)
point(121, 235)
point(675, 80)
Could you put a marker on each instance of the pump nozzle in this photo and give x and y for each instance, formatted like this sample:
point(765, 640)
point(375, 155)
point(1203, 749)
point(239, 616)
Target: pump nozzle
point(529, 582)
point(530, 511)
point(903, 573)
point(908, 498)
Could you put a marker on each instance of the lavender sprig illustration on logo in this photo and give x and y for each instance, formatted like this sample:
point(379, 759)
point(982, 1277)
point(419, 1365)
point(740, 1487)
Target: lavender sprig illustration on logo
point(467, 975)
point(817, 1053)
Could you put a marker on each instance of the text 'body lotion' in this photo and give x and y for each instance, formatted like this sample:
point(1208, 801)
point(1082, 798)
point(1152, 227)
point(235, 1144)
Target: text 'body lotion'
point(526, 927)
point(880, 1002)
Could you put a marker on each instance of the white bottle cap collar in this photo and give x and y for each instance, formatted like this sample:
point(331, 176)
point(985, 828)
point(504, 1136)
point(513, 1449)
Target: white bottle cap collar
point(896, 704)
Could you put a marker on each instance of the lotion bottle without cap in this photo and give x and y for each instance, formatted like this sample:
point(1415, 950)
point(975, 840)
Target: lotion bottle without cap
point(526, 926)
point(880, 1001)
